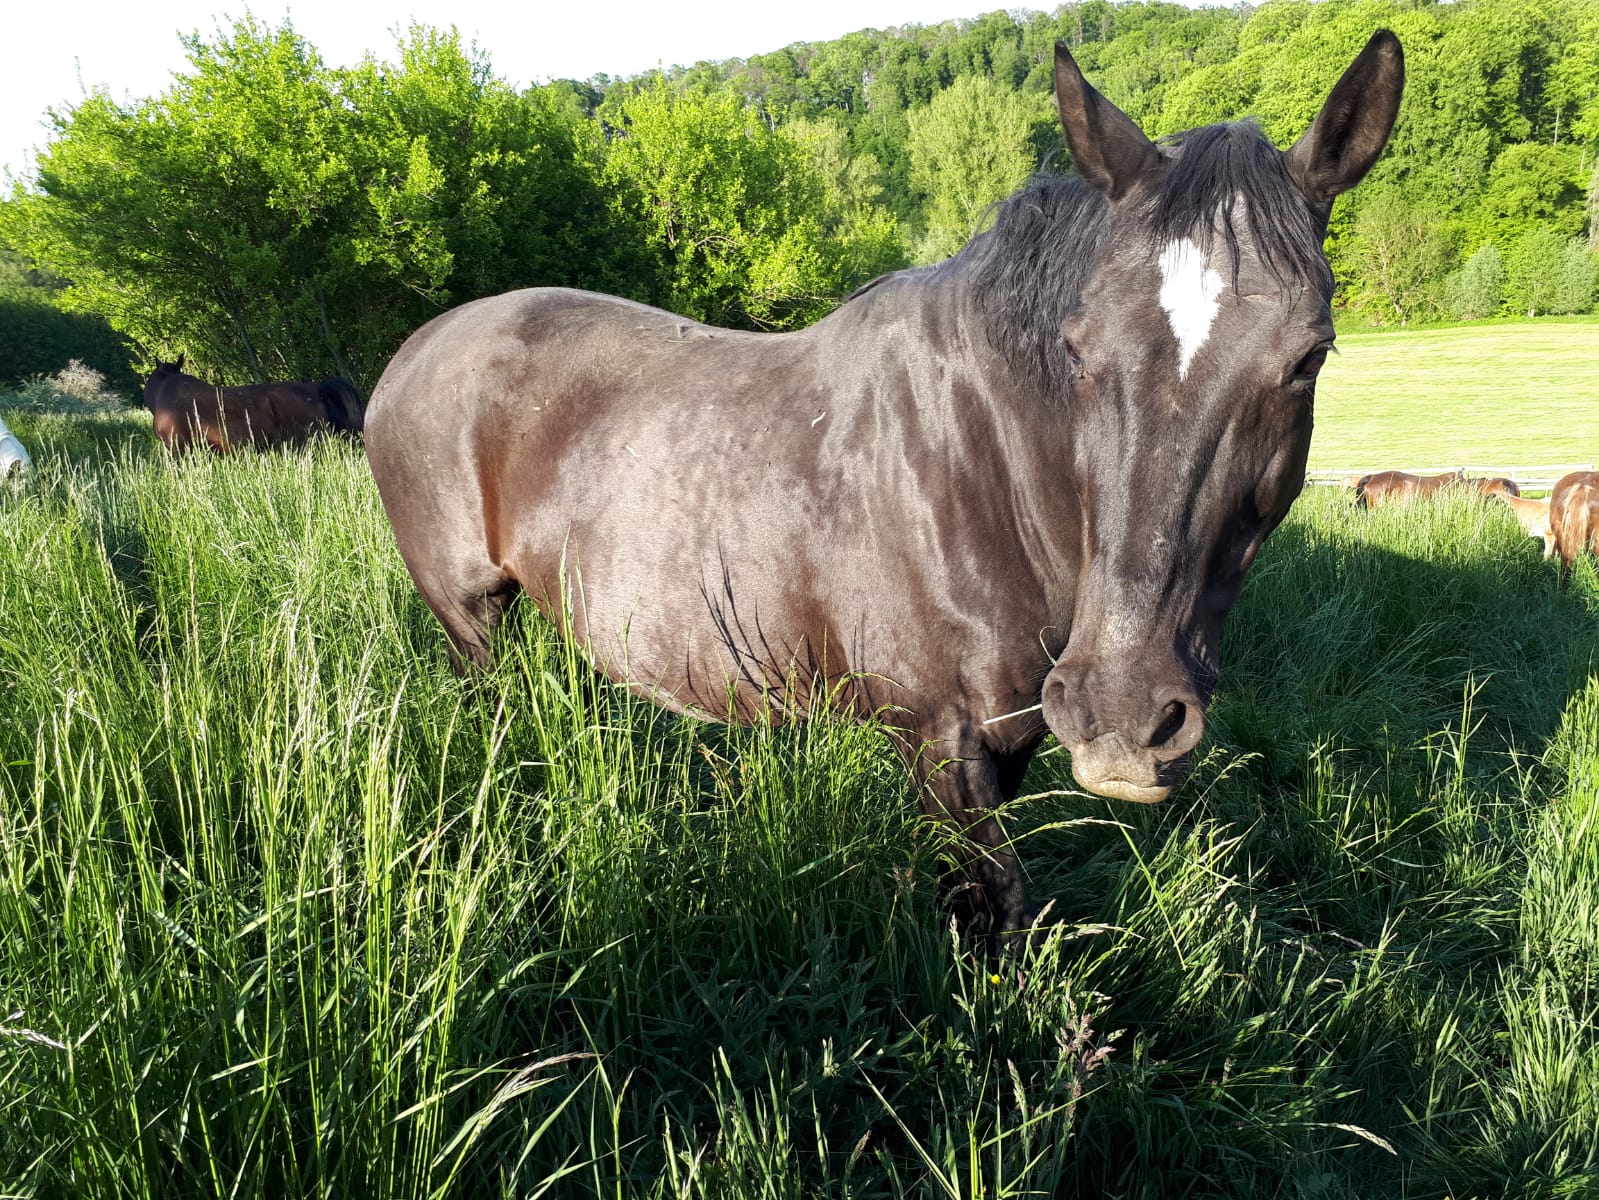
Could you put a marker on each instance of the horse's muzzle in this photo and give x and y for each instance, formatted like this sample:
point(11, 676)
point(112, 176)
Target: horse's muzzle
point(1107, 767)
point(1127, 743)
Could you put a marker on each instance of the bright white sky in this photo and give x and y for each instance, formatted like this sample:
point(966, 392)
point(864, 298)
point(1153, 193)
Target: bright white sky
point(59, 48)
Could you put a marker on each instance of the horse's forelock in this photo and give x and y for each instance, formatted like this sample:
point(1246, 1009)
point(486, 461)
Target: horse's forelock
point(1219, 177)
point(1219, 182)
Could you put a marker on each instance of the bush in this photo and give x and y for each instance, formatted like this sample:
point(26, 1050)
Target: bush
point(1576, 275)
point(1478, 288)
point(76, 388)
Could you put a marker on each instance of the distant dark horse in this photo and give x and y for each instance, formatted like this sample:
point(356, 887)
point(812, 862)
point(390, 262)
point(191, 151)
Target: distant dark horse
point(1012, 493)
point(188, 412)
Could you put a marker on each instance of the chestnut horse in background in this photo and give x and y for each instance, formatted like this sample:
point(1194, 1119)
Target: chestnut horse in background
point(1498, 485)
point(1574, 514)
point(1397, 487)
point(188, 412)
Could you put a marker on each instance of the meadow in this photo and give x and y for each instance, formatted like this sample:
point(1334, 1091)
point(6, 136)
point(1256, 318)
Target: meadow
point(1517, 393)
point(287, 909)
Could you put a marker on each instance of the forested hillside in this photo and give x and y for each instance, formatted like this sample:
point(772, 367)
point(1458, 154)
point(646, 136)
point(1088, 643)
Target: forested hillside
point(276, 215)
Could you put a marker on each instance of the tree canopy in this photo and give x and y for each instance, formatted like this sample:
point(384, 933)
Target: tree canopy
point(274, 215)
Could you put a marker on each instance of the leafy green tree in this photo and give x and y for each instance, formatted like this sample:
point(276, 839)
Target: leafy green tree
point(968, 148)
point(1478, 288)
point(1574, 91)
point(744, 228)
point(1533, 268)
point(1398, 251)
point(1219, 92)
point(1576, 276)
point(865, 235)
point(275, 217)
point(1530, 184)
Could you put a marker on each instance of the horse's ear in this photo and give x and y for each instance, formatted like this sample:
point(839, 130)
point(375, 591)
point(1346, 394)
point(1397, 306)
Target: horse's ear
point(179, 363)
point(1349, 133)
point(1108, 150)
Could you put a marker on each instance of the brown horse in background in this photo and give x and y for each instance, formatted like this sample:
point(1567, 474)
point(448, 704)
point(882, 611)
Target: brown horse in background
point(1498, 485)
point(1574, 515)
point(189, 412)
point(1398, 487)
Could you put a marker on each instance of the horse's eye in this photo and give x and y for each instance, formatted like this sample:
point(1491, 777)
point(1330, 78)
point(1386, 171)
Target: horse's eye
point(1074, 358)
point(1310, 365)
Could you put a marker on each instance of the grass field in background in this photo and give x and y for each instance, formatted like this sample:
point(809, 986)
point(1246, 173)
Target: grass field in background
point(1490, 394)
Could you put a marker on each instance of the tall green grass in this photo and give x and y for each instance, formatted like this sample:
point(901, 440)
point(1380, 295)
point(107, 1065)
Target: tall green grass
point(288, 909)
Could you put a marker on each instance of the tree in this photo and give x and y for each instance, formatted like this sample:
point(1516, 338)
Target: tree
point(275, 217)
point(1533, 269)
point(744, 229)
point(1576, 275)
point(1478, 288)
point(866, 235)
point(1219, 92)
point(1530, 184)
point(968, 148)
point(1399, 252)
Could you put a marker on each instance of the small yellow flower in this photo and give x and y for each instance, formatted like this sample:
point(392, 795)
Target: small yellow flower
point(993, 979)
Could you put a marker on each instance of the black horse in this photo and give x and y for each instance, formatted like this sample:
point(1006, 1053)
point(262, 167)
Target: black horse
point(1012, 493)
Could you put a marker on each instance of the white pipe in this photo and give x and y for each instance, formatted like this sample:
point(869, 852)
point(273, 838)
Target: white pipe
point(12, 454)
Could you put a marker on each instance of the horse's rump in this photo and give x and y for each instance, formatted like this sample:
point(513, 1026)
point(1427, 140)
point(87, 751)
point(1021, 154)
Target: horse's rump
point(1574, 515)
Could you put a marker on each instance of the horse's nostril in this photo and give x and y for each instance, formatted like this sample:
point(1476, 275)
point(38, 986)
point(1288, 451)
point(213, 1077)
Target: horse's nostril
point(1173, 718)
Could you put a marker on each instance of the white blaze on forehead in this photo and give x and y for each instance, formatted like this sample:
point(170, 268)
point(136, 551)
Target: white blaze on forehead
point(1188, 292)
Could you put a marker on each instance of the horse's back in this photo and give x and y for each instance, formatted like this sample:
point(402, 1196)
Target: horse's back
point(1400, 487)
point(573, 377)
point(588, 449)
point(703, 504)
point(540, 338)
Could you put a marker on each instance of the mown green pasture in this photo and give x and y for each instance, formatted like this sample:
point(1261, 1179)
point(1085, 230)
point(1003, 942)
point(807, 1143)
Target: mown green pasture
point(1521, 393)
point(286, 909)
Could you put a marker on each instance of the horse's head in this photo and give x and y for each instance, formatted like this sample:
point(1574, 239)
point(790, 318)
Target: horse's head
point(1193, 352)
point(1496, 486)
point(159, 381)
point(163, 372)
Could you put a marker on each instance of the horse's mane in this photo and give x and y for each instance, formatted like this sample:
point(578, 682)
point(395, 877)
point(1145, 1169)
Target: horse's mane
point(1029, 269)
